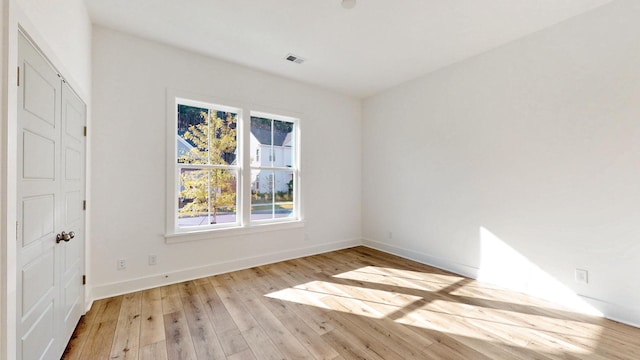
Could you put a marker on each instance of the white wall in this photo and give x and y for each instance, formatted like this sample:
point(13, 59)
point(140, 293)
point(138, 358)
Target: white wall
point(535, 145)
point(62, 29)
point(3, 152)
point(131, 77)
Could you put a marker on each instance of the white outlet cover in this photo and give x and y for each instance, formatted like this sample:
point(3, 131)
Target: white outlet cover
point(582, 276)
point(121, 264)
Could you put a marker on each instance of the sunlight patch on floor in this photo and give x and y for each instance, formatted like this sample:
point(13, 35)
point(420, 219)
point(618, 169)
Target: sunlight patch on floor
point(411, 275)
point(346, 298)
point(453, 305)
point(383, 277)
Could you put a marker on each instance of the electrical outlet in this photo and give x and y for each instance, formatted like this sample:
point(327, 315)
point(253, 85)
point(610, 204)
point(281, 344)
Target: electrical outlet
point(390, 235)
point(153, 259)
point(582, 276)
point(121, 264)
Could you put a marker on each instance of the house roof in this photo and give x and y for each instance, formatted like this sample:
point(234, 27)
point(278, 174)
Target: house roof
point(263, 135)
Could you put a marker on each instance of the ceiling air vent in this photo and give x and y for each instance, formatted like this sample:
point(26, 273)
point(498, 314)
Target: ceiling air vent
point(294, 58)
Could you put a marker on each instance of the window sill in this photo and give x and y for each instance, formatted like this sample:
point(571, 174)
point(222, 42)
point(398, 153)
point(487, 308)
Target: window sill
point(210, 234)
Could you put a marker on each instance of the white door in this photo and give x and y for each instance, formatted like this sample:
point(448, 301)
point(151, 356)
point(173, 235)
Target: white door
point(50, 194)
point(72, 195)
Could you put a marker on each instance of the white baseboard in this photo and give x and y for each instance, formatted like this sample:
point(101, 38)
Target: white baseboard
point(460, 269)
point(615, 312)
point(611, 311)
point(123, 287)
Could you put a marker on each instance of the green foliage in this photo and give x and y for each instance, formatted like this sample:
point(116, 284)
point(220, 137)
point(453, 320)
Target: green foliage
point(189, 115)
point(214, 143)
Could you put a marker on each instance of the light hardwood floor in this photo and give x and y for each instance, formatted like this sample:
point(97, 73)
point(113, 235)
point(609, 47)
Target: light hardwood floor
point(350, 304)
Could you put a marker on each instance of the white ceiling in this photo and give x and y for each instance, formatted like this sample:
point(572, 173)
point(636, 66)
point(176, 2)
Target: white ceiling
point(374, 46)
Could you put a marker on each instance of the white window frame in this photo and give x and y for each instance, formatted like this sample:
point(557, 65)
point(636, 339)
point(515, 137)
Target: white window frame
point(243, 224)
point(295, 166)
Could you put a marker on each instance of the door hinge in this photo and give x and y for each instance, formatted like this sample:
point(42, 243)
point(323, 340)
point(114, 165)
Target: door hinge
point(18, 75)
point(84, 132)
point(84, 204)
point(17, 230)
point(84, 279)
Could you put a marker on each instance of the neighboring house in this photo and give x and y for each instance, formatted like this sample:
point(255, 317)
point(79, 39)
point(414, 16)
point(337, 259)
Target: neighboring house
point(263, 154)
point(183, 146)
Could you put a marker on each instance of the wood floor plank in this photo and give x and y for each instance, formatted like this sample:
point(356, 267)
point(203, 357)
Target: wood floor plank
point(233, 303)
point(80, 336)
point(127, 337)
point(221, 319)
point(102, 331)
point(226, 329)
point(170, 299)
point(261, 345)
point(204, 338)
point(288, 345)
point(244, 355)
point(154, 351)
point(305, 305)
point(179, 343)
point(276, 331)
point(289, 318)
point(348, 347)
point(152, 321)
point(233, 342)
point(356, 303)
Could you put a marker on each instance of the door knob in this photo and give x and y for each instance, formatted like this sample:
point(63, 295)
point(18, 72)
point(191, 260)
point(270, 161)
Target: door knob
point(63, 236)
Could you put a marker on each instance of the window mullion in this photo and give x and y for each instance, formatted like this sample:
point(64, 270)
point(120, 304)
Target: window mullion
point(208, 169)
point(245, 176)
point(208, 196)
point(272, 168)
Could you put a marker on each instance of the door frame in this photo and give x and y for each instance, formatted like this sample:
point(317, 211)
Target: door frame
point(12, 21)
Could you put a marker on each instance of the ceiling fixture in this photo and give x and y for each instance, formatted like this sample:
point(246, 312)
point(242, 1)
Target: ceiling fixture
point(348, 4)
point(294, 58)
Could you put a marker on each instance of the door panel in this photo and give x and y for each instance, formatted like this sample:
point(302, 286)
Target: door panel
point(51, 175)
point(37, 218)
point(72, 299)
point(72, 164)
point(39, 152)
point(42, 97)
point(73, 212)
point(72, 186)
point(75, 119)
point(37, 280)
point(38, 343)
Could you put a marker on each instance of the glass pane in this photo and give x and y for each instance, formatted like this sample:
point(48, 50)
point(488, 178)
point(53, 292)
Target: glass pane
point(207, 197)
point(271, 194)
point(283, 143)
point(261, 141)
point(262, 182)
point(192, 127)
point(283, 204)
point(223, 142)
point(206, 136)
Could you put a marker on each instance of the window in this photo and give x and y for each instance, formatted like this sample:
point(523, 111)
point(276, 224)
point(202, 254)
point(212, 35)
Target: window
point(273, 179)
point(207, 167)
point(215, 186)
